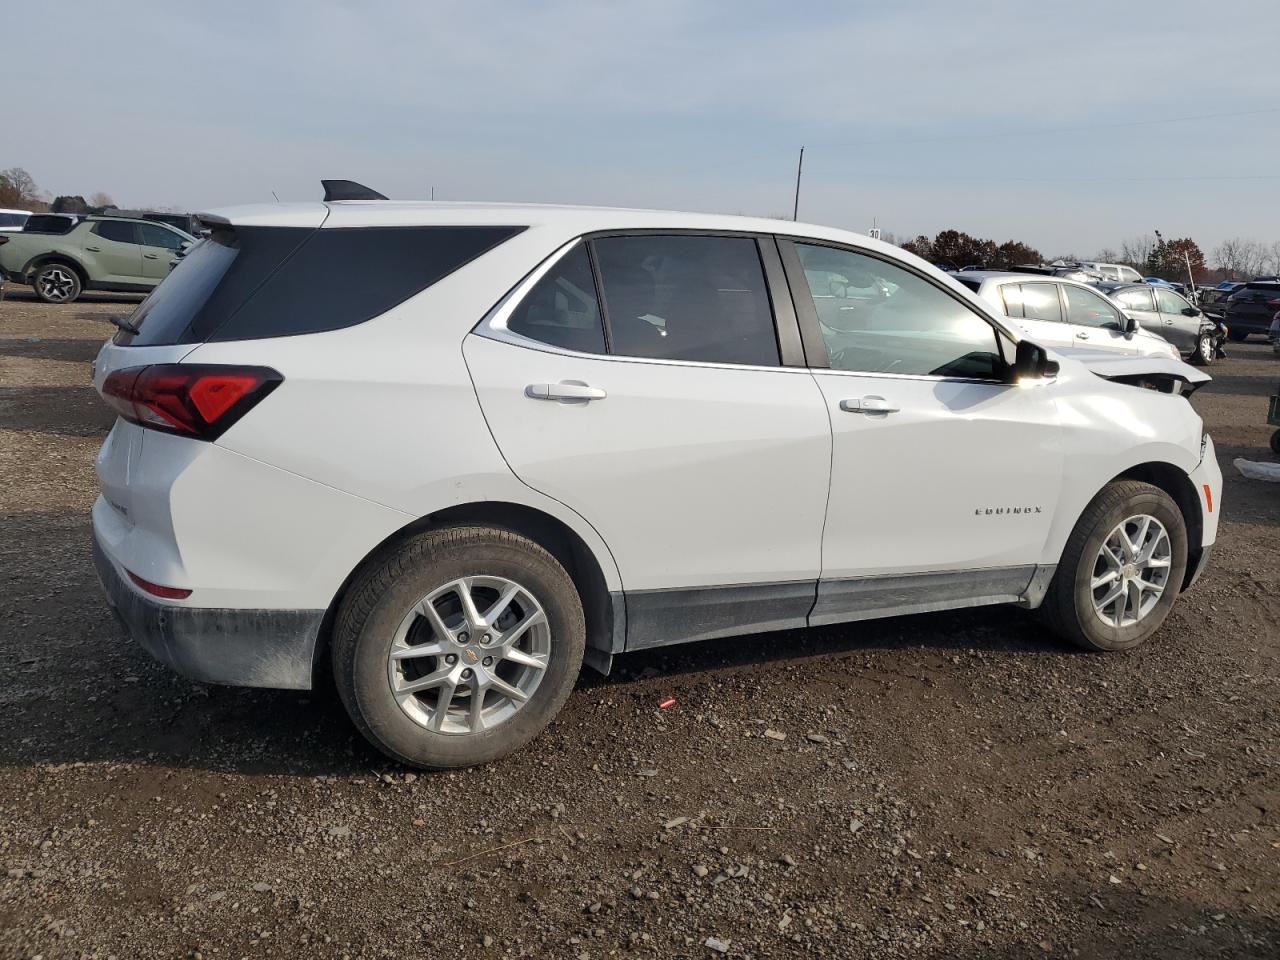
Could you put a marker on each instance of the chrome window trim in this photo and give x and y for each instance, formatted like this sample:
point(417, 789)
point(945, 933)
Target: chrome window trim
point(494, 327)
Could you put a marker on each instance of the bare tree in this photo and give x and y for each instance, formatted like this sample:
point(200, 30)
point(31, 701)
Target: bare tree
point(101, 199)
point(1106, 255)
point(1241, 258)
point(1273, 258)
point(18, 189)
point(1136, 251)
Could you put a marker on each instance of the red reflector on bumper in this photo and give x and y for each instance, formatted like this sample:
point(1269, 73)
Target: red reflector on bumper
point(155, 589)
point(1208, 498)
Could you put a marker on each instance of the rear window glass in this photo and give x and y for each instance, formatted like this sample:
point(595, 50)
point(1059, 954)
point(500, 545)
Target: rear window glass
point(974, 285)
point(12, 219)
point(254, 282)
point(48, 223)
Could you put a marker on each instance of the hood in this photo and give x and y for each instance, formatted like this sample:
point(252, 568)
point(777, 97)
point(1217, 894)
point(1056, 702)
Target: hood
point(1155, 373)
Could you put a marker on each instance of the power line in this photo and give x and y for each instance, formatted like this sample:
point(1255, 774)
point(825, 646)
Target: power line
point(1111, 125)
point(1006, 179)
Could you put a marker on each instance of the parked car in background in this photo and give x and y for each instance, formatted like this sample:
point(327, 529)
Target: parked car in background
point(186, 222)
point(1058, 312)
point(1118, 272)
point(13, 219)
point(1213, 301)
point(1163, 311)
point(1250, 308)
point(660, 428)
point(94, 253)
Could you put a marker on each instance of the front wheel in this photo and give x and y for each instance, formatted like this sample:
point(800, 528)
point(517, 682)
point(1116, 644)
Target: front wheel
point(1121, 570)
point(459, 647)
point(56, 283)
point(1205, 352)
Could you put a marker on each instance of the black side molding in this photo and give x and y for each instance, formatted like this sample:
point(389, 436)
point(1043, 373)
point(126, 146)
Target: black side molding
point(348, 190)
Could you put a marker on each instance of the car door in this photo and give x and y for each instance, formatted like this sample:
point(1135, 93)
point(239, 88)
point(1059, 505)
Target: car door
point(943, 475)
point(159, 247)
point(672, 421)
point(1037, 308)
point(1176, 325)
point(1095, 322)
point(112, 252)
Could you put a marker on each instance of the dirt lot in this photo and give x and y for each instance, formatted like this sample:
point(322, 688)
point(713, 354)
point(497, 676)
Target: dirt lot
point(949, 786)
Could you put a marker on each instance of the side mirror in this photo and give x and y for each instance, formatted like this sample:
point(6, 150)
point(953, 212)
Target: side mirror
point(1190, 312)
point(1129, 324)
point(1031, 362)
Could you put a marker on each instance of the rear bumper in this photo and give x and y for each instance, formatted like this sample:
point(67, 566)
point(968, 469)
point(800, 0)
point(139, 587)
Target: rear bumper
point(242, 648)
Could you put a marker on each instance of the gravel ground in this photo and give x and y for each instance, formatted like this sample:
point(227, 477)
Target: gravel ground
point(944, 786)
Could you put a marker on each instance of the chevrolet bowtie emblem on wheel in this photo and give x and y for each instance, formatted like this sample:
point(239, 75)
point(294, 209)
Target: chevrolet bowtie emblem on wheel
point(470, 656)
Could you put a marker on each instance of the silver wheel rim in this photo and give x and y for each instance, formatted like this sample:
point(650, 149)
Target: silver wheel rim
point(469, 655)
point(1206, 348)
point(1131, 571)
point(57, 284)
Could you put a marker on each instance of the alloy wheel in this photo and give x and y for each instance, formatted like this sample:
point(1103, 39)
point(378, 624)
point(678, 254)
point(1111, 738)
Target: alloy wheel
point(1131, 571)
point(469, 655)
point(1206, 348)
point(56, 284)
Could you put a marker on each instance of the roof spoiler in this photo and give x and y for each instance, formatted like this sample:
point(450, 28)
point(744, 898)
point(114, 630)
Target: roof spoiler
point(348, 190)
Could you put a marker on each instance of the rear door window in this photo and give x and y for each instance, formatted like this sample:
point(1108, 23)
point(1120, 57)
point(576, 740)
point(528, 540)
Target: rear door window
point(116, 230)
point(561, 309)
point(687, 298)
point(1137, 299)
point(1040, 301)
point(245, 283)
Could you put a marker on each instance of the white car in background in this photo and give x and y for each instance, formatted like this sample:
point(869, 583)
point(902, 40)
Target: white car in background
point(1065, 314)
point(13, 219)
point(453, 450)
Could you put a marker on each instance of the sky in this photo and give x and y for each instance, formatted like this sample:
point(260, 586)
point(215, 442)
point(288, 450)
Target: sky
point(1061, 125)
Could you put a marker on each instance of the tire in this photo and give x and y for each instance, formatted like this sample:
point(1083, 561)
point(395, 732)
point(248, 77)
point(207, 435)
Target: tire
point(1068, 607)
point(1275, 443)
point(1237, 336)
point(1205, 352)
point(56, 283)
point(410, 727)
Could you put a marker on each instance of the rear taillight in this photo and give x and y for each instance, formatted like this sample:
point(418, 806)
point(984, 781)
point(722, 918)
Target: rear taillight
point(158, 590)
point(193, 400)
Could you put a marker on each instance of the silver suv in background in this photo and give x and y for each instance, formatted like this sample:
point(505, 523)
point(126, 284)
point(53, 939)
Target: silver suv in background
point(1162, 311)
point(1057, 312)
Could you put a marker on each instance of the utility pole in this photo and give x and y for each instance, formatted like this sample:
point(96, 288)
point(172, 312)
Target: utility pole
point(795, 211)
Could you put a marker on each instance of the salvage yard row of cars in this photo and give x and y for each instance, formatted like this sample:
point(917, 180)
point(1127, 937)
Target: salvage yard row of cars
point(517, 439)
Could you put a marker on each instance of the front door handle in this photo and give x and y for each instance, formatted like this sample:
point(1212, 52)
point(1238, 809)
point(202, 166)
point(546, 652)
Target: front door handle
point(566, 391)
point(867, 405)
point(1082, 336)
point(94, 249)
point(152, 256)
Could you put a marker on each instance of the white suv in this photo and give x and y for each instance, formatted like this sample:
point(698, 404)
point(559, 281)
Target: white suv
point(455, 450)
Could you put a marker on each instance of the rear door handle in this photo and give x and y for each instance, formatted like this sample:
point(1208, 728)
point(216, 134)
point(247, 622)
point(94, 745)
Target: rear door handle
point(566, 391)
point(1082, 336)
point(94, 249)
point(152, 256)
point(867, 405)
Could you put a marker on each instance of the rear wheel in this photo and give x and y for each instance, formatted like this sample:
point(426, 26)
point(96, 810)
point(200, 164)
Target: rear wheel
point(56, 283)
point(1121, 570)
point(459, 648)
